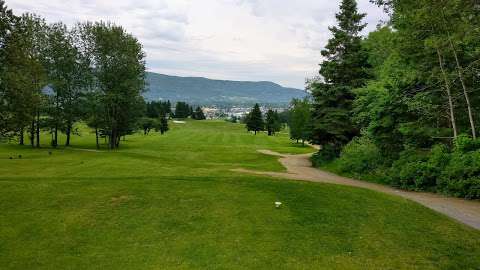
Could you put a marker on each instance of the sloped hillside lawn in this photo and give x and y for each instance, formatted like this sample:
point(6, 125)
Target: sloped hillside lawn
point(171, 202)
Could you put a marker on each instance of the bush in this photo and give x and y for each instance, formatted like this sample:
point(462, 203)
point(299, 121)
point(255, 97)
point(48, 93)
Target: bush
point(461, 177)
point(465, 144)
point(454, 172)
point(324, 155)
point(419, 170)
point(360, 156)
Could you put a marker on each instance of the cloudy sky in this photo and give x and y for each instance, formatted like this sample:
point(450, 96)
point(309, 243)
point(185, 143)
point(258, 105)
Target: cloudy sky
point(255, 40)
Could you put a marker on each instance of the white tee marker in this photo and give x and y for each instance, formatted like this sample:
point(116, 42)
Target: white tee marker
point(277, 204)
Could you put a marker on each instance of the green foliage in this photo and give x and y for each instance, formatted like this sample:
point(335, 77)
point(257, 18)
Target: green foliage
point(146, 124)
point(198, 114)
point(162, 124)
point(6, 25)
point(359, 156)
point(455, 173)
point(182, 110)
point(156, 108)
point(331, 115)
point(417, 99)
point(325, 155)
point(119, 72)
point(68, 76)
point(272, 122)
point(346, 61)
point(345, 68)
point(233, 119)
point(23, 77)
point(419, 170)
point(461, 176)
point(254, 120)
point(465, 144)
point(300, 120)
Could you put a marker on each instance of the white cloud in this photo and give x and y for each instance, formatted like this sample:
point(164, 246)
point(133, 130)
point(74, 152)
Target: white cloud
point(276, 40)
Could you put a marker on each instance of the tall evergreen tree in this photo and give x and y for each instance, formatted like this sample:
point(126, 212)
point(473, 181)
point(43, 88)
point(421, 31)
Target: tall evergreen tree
point(163, 123)
point(254, 120)
point(182, 110)
point(272, 122)
point(344, 69)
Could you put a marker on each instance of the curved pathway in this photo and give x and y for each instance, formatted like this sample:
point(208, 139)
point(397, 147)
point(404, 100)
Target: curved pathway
point(299, 167)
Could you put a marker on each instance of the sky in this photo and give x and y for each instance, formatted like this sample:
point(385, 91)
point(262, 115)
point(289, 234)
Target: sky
point(248, 40)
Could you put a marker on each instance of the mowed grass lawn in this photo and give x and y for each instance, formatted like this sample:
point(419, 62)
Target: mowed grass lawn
point(171, 202)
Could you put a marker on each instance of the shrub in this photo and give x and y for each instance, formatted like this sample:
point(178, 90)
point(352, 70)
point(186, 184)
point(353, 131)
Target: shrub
point(359, 156)
point(419, 170)
point(324, 155)
point(465, 144)
point(461, 177)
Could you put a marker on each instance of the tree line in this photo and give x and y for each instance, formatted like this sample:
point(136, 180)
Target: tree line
point(157, 114)
point(256, 122)
point(184, 110)
point(401, 105)
point(53, 76)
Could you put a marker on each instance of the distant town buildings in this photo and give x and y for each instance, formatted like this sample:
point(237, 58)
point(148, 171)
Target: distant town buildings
point(213, 112)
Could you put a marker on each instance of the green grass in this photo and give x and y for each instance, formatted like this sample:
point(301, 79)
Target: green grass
point(171, 202)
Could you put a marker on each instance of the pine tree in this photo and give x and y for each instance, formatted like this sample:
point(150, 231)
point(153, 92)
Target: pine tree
point(344, 69)
point(163, 126)
point(182, 110)
point(272, 122)
point(254, 120)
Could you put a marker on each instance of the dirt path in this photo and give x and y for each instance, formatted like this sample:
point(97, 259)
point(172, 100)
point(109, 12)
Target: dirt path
point(299, 167)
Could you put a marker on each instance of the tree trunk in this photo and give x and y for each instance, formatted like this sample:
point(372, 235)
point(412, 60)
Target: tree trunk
point(21, 140)
point(96, 137)
point(38, 128)
point(32, 133)
point(68, 131)
point(465, 93)
point(112, 139)
point(55, 140)
point(449, 95)
point(462, 81)
point(55, 136)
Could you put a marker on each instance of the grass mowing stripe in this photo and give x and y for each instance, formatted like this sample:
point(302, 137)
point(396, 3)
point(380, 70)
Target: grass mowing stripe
point(171, 202)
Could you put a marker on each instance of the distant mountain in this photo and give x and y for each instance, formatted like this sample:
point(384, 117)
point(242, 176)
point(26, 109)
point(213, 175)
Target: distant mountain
point(203, 91)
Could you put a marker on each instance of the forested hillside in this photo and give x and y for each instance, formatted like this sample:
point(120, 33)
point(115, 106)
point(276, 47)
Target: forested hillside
point(205, 91)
